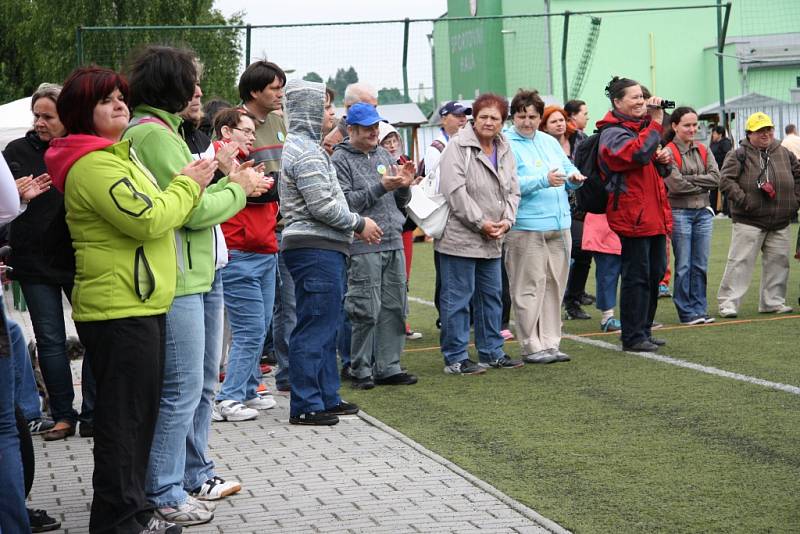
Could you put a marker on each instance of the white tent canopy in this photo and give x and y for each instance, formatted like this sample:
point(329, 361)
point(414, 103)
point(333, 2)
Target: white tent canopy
point(15, 120)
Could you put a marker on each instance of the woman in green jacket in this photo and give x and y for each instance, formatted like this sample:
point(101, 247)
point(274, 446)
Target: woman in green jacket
point(121, 226)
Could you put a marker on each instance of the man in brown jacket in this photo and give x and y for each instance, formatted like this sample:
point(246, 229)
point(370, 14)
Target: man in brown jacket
point(762, 181)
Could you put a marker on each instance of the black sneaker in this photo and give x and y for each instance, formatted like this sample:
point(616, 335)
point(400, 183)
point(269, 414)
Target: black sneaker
point(40, 425)
point(343, 408)
point(399, 379)
point(314, 419)
point(363, 383)
point(504, 363)
point(657, 341)
point(574, 311)
point(642, 346)
point(41, 522)
point(586, 299)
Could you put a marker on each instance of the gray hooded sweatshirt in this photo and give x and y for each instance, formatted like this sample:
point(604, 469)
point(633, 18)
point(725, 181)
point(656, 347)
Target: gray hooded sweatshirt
point(360, 176)
point(314, 208)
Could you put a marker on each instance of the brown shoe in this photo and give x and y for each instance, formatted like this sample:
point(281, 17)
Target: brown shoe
point(62, 430)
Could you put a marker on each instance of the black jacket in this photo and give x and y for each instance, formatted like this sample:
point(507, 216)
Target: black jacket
point(40, 241)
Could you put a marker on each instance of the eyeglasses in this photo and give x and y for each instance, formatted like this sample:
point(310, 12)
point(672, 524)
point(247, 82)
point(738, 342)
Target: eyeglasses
point(246, 131)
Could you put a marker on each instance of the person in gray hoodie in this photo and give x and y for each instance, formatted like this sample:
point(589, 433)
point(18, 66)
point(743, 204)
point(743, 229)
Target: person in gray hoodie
point(376, 284)
point(318, 230)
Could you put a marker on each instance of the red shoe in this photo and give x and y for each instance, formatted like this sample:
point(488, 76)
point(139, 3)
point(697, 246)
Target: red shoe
point(266, 369)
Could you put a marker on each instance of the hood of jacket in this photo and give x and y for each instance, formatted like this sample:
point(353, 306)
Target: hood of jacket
point(65, 151)
point(614, 117)
point(305, 107)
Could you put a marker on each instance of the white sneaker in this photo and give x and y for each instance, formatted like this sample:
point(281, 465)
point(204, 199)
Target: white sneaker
point(204, 504)
point(783, 308)
point(186, 514)
point(216, 488)
point(727, 313)
point(264, 402)
point(230, 410)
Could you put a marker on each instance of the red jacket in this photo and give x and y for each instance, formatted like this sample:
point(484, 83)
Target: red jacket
point(253, 228)
point(642, 209)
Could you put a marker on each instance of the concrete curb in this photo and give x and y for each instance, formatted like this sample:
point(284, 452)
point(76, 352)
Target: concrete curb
point(518, 507)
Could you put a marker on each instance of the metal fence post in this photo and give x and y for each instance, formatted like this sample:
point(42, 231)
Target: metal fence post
point(405, 59)
point(564, 58)
point(79, 45)
point(247, 42)
point(722, 30)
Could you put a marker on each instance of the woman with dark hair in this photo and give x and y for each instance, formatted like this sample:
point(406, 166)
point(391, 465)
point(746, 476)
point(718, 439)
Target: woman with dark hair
point(694, 174)
point(578, 116)
point(44, 264)
point(120, 223)
point(720, 146)
point(638, 209)
point(538, 246)
point(477, 177)
point(162, 82)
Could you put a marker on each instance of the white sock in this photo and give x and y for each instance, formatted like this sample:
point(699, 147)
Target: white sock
point(608, 314)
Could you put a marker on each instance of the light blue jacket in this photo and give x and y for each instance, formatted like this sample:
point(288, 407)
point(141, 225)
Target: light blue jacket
point(541, 208)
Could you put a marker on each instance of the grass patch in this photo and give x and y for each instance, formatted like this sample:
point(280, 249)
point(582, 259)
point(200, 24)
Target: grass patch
point(614, 443)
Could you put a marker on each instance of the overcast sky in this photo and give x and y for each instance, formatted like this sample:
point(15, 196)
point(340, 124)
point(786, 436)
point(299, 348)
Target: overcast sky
point(374, 50)
point(299, 11)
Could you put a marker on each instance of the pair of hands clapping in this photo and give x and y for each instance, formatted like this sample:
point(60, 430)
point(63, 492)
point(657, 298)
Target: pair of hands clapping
point(400, 176)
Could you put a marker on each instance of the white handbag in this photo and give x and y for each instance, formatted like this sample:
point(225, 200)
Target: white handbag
point(429, 208)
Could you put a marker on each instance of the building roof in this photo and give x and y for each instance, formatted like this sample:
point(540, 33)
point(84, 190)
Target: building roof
point(397, 114)
point(749, 100)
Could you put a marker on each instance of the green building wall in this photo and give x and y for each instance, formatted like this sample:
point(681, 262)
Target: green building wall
point(672, 52)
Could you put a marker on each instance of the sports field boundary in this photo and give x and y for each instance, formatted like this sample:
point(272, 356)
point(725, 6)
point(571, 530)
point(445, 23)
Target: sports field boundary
point(665, 358)
point(515, 505)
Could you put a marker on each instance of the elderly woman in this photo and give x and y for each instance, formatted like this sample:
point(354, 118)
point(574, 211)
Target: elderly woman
point(694, 174)
point(478, 178)
point(121, 223)
point(44, 265)
point(538, 246)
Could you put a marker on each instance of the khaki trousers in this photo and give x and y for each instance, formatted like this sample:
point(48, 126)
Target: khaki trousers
point(538, 265)
point(746, 241)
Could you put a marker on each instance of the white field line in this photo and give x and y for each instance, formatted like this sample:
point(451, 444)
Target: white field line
point(787, 388)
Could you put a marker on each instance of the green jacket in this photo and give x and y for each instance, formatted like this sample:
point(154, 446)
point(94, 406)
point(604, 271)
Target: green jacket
point(165, 153)
point(122, 225)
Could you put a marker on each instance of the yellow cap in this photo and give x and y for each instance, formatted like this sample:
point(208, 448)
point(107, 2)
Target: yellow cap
point(758, 120)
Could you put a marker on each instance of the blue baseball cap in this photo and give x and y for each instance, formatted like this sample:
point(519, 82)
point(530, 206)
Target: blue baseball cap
point(454, 108)
point(363, 114)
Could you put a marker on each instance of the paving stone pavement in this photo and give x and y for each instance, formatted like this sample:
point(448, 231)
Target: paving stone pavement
point(357, 476)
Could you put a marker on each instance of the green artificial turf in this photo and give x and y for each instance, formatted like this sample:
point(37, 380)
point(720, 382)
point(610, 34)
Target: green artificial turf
point(612, 442)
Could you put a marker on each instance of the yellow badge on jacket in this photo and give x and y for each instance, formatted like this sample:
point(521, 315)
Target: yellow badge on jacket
point(381, 169)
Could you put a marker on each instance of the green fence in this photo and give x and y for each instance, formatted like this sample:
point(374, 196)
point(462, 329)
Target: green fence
point(399, 57)
point(424, 61)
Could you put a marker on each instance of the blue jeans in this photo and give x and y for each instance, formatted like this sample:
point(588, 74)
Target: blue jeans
point(47, 316)
point(606, 273)
point(26, 395)
point(319, 279)
point(249, 288)
point(180, 396)
point(644, 261)
point(691, 245)
point(479, 281)
point(13, 516)
point(283, 322)
point(199, 467)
